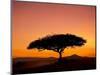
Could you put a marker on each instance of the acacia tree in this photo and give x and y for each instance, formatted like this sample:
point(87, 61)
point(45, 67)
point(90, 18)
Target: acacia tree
point(57, 43)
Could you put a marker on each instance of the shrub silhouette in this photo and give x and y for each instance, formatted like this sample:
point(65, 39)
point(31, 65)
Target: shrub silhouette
point(57, 43)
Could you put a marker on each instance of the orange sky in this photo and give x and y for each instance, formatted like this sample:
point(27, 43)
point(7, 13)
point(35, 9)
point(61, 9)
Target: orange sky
point(31, 21)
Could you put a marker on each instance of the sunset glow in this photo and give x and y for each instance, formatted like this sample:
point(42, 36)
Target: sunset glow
point(31, 21)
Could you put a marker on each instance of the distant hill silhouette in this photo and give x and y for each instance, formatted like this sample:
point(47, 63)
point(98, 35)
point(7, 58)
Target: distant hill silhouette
point(73, 57)
point(39, 65)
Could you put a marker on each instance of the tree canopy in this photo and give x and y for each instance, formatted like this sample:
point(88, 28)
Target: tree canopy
point(57, 42)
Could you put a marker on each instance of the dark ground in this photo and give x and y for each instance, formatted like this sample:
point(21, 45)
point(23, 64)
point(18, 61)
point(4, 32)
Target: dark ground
point(40, 65)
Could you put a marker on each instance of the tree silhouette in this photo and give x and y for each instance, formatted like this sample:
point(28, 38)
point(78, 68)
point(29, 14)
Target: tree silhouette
point(57, 43)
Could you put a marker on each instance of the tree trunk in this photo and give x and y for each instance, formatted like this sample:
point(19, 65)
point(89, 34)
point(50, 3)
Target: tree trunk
point(60, 57)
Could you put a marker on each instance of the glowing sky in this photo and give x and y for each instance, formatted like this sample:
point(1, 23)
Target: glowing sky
point(31, 21)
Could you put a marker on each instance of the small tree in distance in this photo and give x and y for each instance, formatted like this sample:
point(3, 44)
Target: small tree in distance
point(57, 43)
